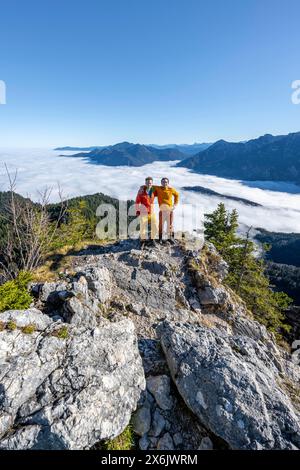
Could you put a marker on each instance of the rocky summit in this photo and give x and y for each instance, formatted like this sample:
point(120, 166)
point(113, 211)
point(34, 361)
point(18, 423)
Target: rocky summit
point(151, 337)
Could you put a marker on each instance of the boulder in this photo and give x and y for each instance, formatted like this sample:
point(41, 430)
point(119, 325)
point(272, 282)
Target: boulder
point(232, 384)
point(141, 420)
point(158, 424)
point(66, 387)
point(213, 295)
point(159, 387)
point(99, 281)
point(165, 442)
point(206, 444)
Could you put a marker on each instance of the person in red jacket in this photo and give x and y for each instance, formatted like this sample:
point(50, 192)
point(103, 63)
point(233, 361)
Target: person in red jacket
point(144, 209)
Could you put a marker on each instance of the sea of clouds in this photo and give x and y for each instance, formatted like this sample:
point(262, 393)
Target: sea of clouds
point(40, 168)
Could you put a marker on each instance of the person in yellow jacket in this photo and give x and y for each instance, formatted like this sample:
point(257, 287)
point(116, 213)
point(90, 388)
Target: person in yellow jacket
point(167, 200)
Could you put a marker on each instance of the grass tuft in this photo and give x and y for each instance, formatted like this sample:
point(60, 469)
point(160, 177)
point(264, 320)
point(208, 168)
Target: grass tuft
point(61, 333)
point(125, 441)
point(11, 325)
point(28, 329)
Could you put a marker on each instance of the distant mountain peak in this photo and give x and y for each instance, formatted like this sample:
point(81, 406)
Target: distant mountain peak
point(267, 158)
point(129, 154)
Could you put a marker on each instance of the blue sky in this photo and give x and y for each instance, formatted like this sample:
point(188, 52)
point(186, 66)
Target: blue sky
point(98, 72)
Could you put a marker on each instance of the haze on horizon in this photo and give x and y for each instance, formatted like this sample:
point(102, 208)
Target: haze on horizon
point(97, 72)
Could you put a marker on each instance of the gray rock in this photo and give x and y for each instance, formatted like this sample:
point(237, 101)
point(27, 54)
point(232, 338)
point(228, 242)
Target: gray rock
point(144, 442)
point(213, 295)
point(49, 291)
point(178, 439)
point(165, 442)
point(80, 288)
point(159, 386)
point(244, 326)
point(21, 318)
point(99, 281)
point(158, 424)
point(67, 393)
point(220, 266)
point(195, 305)
point(145, 312)
point(70, 393)
point(153, 443)
point(232, 384)
point(78, 314)
point(135, 308)
point(154, 267)
point(141, 420)
point(206, 444)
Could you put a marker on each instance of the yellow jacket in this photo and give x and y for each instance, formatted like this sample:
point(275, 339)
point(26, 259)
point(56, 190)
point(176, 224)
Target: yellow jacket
point(165, 195)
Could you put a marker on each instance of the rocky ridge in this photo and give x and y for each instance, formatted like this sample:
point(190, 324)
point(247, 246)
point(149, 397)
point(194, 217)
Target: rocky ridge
point(150, 335)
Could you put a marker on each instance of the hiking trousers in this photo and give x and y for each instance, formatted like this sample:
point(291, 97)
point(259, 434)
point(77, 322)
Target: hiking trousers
point(166, 217)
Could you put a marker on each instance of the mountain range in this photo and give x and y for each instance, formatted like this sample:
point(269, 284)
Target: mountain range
point(188, 149)
point(268, 158)
point(128, 154)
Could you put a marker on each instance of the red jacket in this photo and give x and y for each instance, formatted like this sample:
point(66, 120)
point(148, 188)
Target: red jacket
point(143, 199)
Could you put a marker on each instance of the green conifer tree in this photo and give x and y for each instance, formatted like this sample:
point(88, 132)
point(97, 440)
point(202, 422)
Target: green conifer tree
point(246, 270)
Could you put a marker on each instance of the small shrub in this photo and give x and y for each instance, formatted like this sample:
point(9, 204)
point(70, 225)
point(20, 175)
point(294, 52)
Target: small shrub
point(61, 333)
point(124, 441)
point(28, 329)
point(2, 325)
point(14, 294)
point(11, 325)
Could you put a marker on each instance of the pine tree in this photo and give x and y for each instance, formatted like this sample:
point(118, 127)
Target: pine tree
point(14, 294)
point(220, 228)
point(246, 271)
point(76, 228)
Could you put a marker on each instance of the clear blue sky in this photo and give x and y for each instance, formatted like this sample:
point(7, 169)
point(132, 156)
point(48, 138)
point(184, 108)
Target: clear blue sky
point(151, 71)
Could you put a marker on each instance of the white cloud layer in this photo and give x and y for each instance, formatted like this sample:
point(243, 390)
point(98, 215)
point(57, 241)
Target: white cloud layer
point(40, 168)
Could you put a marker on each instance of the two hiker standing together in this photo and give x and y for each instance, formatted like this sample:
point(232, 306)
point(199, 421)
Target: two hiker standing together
point(167, 200)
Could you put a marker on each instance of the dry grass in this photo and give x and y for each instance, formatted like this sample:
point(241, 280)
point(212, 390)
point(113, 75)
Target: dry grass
point(292, 390)
point(205, 320)
point(61, 260)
